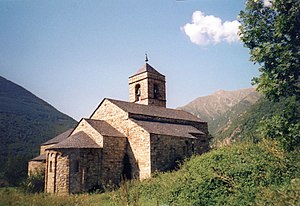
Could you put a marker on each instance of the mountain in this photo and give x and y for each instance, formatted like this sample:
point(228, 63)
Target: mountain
point(238, 114)
point(246, 126)
point(237, 111)
point(25, 122)
point(213, 106)
point(222, 107)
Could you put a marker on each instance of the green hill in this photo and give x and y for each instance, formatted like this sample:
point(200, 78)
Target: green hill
point(25, 122)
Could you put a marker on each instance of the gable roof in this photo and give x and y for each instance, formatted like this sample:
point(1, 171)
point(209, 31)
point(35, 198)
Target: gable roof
point(147, 68)
point(104, 128)
point(154, 111)
point(78, 140)
point(40, 158)
point(59, 137)
point(176, 130)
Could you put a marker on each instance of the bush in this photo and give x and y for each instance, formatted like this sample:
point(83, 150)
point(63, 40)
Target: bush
point(284, 125)
point(34, 182)
point(233, 175)
point(286, 195)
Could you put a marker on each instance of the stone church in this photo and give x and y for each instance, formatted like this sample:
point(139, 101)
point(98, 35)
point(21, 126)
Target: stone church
point(122, 140)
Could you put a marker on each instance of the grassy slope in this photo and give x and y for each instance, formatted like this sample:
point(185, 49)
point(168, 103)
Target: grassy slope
point(242, 174)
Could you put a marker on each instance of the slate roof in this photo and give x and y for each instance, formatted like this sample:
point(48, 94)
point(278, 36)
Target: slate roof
point(176, 130)
point(104, 128)
point(59, 137)
point(147, 68)
point(79, 140)
point(40, 158)
point(155, 111)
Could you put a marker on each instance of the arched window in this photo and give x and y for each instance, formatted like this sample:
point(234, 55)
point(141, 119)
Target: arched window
point(76, 166)
point(193, 147)
point(155, 91)
point(137, 92)
point(50, 166)
point(127, 168)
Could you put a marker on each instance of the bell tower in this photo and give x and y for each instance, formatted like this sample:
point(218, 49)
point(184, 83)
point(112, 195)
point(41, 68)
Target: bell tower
point(148, 87)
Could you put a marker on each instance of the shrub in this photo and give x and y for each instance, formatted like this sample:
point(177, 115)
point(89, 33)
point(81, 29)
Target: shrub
point(233, 175)
point(34, 182)
point(284, 125)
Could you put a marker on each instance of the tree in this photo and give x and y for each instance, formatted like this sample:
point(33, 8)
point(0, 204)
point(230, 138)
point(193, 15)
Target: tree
point(271, 30)
point(272, 33)
point(284, 125)
point(15, 170)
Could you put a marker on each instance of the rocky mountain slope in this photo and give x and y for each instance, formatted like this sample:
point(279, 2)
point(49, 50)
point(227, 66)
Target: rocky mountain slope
point(213, 106)
point(221, 108)
point(218, 125)
point(25, 122)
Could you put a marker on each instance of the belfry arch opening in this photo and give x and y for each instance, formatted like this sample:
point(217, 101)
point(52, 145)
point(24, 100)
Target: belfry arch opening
point(155, 91)
point(137, 92)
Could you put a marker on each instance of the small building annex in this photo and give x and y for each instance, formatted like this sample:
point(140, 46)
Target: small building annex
point(122, 140)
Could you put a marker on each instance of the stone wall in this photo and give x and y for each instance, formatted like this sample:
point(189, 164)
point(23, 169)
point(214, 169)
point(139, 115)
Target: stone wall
point(140, 79)
point(158, 99)
point(62, 173)
point(201, 144)
point(202, 126)
point(57, 172)
point(114, 149)
point(35, 166)
point(138, 148)
point(110, 113)
point(167, 150)
point(147, 81)
point(44, 147)
point(73, 170)
point(85, 169)
point(50, 171)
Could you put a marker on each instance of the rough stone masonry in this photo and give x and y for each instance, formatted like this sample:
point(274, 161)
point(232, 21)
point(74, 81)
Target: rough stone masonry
point(122, 140)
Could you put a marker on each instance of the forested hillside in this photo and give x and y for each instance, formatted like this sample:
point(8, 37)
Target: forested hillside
point(25, 122)
point(247, 126)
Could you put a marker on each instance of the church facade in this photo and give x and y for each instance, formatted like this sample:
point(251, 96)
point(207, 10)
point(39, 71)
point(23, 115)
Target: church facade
point(122, 140)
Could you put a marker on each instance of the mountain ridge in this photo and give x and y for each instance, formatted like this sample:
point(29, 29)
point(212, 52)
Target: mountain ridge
point(211, 106)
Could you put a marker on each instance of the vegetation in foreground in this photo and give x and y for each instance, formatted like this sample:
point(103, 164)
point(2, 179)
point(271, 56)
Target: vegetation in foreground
point(243, 174)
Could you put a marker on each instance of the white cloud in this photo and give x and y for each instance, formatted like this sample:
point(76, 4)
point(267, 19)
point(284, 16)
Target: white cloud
point(205, 30)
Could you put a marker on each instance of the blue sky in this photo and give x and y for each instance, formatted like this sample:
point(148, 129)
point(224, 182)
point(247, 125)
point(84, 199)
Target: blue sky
point(74, 53)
